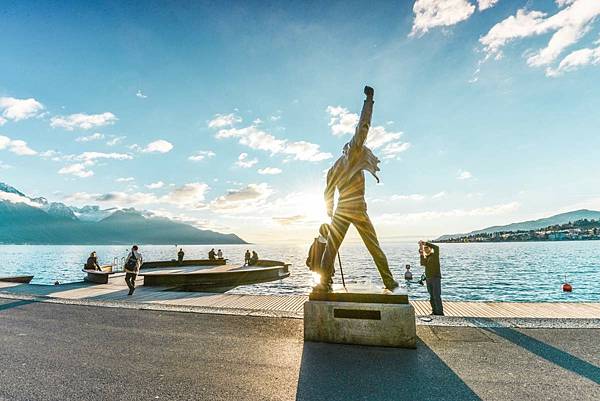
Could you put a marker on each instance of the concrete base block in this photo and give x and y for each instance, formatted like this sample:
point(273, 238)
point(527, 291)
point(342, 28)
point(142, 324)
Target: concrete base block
point(386, 325)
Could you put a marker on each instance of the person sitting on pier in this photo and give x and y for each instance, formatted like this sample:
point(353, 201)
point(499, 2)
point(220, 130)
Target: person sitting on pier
point(219, 254)
point(180, 255)
point(132, 268)
point(430, 258)
point(211, 254)
point(408, 274)
point(253, 259)
point(247, 257)
point(92, 262)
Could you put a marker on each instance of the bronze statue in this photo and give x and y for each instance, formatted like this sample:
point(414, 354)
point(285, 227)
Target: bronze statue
point(347, 175)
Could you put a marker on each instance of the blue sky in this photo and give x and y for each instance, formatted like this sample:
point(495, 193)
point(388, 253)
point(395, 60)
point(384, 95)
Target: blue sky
point(227, 114)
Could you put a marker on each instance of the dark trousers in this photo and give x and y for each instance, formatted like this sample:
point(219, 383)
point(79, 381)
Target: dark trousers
point(130, 280)
point(434, 288)
point(339, 227)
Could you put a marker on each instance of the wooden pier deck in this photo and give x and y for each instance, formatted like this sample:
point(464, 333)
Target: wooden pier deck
point(115, 295)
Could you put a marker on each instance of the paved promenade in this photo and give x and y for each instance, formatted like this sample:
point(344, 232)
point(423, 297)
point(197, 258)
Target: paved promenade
point(52, 351)
point(115, 294)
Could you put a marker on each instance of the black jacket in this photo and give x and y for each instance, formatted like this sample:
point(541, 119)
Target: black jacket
point(432, 262)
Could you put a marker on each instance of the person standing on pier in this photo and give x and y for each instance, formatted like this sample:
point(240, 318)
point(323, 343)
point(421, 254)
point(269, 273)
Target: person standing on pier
point(132, 268)
point(430, 258)
point(219, 254)
point(247, 257)
point(180, 255)
point(348, 177)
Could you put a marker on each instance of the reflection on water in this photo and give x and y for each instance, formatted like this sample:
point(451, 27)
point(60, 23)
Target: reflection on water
point(501, 272)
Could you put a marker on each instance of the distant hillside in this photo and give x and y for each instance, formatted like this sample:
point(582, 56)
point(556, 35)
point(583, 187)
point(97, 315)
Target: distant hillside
point(558, 219)
point(25, 220)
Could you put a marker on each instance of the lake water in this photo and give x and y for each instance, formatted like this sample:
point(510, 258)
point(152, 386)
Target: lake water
point(531, 271)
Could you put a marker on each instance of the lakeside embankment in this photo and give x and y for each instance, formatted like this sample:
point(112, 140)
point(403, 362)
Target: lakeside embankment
point(69, 352)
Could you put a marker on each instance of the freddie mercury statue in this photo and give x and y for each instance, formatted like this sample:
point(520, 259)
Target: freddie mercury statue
point(347, 176)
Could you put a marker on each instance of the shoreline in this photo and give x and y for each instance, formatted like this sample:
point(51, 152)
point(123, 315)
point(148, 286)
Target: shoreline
point(458, 314)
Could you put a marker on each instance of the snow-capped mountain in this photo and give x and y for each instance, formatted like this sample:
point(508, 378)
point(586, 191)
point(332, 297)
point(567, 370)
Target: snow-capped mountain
point(25, 220)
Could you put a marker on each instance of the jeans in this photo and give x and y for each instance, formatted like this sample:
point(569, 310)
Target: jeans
point(338, 229)
point(130, 280)
point(434, 288)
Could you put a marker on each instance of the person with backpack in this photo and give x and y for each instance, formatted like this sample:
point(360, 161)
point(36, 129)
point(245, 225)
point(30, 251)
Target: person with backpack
point(315, 254)
point(132, 268)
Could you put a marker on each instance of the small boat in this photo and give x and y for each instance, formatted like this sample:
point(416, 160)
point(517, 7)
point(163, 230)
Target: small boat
point(17, 279)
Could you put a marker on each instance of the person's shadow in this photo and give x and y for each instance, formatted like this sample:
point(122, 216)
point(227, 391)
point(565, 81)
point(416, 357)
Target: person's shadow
point(348, 372)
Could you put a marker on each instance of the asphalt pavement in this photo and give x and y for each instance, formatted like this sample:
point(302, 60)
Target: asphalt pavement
point(71, 352)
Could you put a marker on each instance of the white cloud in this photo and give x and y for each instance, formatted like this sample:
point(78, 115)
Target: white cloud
point(94, 137)
point(306, 151)
point(115, 140)
point(396, 218)
point(16, 146)
point(244, 162)
point(434, 13)
point(155, 185)
point(341, 121)
point(19, 109)
point(269, 171)
point(77, 169)
point(125, 179)
point(159, 146)
point(245, 199)
point(344, 122)
point(569, 25)
point(82, 121)
point(201, 155)
point(188, 195)
point(575, 60)
point(412, 197)
point(393, 150)
point(140, 94)
point(256, 138)
point(4, 166)
point(378, 137)
point(93, 156)
point(464, 175)
point(485, 4)
point(439, 195)
point(224, 120)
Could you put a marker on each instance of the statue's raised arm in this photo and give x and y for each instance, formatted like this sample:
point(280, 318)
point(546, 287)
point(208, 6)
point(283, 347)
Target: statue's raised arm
point(362, 129)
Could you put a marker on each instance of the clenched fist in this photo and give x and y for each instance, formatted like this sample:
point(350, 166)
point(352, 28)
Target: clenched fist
point(369, 91)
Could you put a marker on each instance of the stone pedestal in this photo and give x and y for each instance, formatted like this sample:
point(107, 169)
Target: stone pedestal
point(360, 316)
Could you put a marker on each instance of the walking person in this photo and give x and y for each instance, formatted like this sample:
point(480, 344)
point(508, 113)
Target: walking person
point(430, 258)
point(132, 268)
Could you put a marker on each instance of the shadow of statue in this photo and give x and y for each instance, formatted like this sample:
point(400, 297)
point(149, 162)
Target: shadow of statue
point(348, 372)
